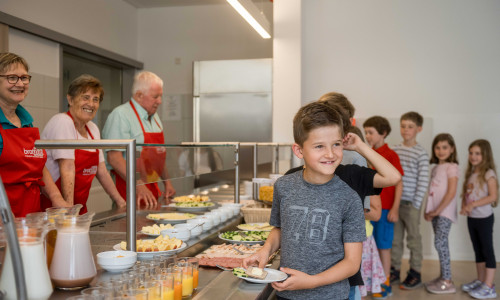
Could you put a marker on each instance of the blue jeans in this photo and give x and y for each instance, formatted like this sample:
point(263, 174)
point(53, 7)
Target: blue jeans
point(354, 293)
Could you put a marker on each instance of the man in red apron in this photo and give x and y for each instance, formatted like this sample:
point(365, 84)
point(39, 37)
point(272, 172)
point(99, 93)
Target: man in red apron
point(137, 119)
point(22, 166)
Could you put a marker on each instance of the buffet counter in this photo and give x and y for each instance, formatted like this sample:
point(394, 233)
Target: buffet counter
point(108, 229)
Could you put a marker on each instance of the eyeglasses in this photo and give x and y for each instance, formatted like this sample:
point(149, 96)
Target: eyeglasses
point(13, 79)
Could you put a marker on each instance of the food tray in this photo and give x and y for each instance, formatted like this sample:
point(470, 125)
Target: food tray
point(256, 213)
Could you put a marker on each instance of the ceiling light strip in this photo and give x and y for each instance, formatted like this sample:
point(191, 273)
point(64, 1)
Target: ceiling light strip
point(251, 14)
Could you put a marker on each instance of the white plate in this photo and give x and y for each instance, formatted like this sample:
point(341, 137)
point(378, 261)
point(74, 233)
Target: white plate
point(241, 242)
point(190, 209)
point(253, 224)
point(272, 276)
point(149, 234)
point(169, 221)
point(149, 255)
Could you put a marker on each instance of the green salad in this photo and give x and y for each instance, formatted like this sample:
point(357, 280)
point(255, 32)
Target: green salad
point(246, 236)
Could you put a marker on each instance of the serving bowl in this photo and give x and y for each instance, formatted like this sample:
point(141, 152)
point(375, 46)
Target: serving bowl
point(183, 234)
point(195, 229)
point(116, 261)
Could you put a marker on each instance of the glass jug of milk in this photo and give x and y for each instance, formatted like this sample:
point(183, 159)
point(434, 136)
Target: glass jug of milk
point(73, 264)
point(31, 235)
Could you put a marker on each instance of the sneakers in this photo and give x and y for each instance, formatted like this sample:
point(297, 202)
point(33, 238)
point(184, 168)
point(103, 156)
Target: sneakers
point(394, 275)
point(432, 282)
point(441, 286)
point(386, 291)
point(412, 281)
point(483, 292)
point(467, 287)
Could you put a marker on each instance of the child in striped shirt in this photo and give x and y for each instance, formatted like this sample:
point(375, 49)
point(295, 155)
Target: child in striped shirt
point(415, 162)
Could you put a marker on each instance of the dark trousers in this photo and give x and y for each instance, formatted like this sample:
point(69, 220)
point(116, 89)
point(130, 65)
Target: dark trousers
point(481, 235)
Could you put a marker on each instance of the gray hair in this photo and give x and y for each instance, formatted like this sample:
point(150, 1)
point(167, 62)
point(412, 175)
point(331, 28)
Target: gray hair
point(143, 81)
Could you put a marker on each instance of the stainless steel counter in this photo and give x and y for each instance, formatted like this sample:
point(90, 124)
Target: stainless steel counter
point(108, 229)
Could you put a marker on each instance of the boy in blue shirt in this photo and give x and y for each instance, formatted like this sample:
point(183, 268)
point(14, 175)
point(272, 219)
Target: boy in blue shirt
point(318, 217)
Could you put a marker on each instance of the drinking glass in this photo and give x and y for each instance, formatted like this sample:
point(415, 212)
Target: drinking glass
point(99, 292)
point(176, 273)
point(116, 285)
point(139, 294)
point(187, 278)
point(195, 263)
point(154, 289)
point(167, 286)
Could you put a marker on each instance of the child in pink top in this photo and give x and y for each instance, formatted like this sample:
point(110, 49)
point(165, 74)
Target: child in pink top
point(480, 195)
point(441, 207)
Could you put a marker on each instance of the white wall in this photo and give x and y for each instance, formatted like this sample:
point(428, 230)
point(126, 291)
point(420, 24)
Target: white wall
point(110, 24)
point(437, 58)
point(171, 38)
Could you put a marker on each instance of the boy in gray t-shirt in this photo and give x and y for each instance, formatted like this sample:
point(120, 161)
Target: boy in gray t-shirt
point(318, 217)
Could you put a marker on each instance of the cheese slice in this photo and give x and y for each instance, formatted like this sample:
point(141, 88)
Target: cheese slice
point(256, 272)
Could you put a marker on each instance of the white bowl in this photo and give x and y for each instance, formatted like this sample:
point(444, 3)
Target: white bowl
point(116, 261)
point(228, 211)
point(194, 229)
point(182, 234)
point(216, 217)
point(223, 215)
point(207, 222)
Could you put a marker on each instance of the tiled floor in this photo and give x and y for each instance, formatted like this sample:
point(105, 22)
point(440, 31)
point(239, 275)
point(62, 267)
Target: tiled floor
point(462, 272)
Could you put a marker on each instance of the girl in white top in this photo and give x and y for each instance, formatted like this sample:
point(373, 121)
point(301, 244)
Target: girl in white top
point(480, 195)
point(441, 207)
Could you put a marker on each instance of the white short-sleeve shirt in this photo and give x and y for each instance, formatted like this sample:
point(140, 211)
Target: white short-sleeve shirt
point(60, 127)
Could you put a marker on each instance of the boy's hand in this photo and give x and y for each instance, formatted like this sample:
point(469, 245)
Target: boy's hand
point(393, 215)
point(296, 280)
point(351, 141)
point(258, 259)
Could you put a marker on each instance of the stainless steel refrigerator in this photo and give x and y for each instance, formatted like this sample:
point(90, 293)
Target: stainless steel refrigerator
point(233, 103)
point(233, 100)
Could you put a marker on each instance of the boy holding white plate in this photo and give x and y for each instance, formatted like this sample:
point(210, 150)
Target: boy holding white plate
point(318, 217)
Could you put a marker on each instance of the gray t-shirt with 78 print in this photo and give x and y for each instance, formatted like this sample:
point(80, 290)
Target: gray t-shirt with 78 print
point(315, 223)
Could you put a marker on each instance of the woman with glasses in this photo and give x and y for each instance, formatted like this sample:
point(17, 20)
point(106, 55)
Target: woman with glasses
point(74, 170)
point(22, 166)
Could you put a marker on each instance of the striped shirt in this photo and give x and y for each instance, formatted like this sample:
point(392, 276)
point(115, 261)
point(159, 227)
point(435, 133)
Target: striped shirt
point(415, 163)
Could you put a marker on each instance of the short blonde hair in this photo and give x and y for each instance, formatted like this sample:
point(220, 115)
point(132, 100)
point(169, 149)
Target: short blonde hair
point(8, 59)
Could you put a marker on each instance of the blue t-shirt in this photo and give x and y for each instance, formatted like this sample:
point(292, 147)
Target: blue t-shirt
point(24, 116)
point(315, 222)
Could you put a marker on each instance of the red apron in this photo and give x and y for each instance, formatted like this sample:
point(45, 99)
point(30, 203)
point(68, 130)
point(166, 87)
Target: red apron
point(86, 163)
point(150, 163)
point(21, 168)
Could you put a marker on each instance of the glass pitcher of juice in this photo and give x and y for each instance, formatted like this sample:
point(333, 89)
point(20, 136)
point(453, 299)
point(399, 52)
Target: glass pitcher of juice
point(73, 264)
point(31, 236)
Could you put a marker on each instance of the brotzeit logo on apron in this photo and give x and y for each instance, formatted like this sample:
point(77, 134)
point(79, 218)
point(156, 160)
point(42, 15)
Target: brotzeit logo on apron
point(36, 153)
point(90, 171)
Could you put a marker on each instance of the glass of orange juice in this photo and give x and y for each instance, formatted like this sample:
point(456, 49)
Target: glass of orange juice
point(154, 289)
point(176, 273)
point(187, 278)
point(167, 286)
point(195, 263)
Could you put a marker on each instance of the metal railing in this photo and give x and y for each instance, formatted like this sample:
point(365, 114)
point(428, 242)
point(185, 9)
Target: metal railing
point(129, 146)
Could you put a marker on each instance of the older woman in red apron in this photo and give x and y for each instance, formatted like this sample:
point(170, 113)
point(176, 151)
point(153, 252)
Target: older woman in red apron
point(74, 170)
point(22, 166)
